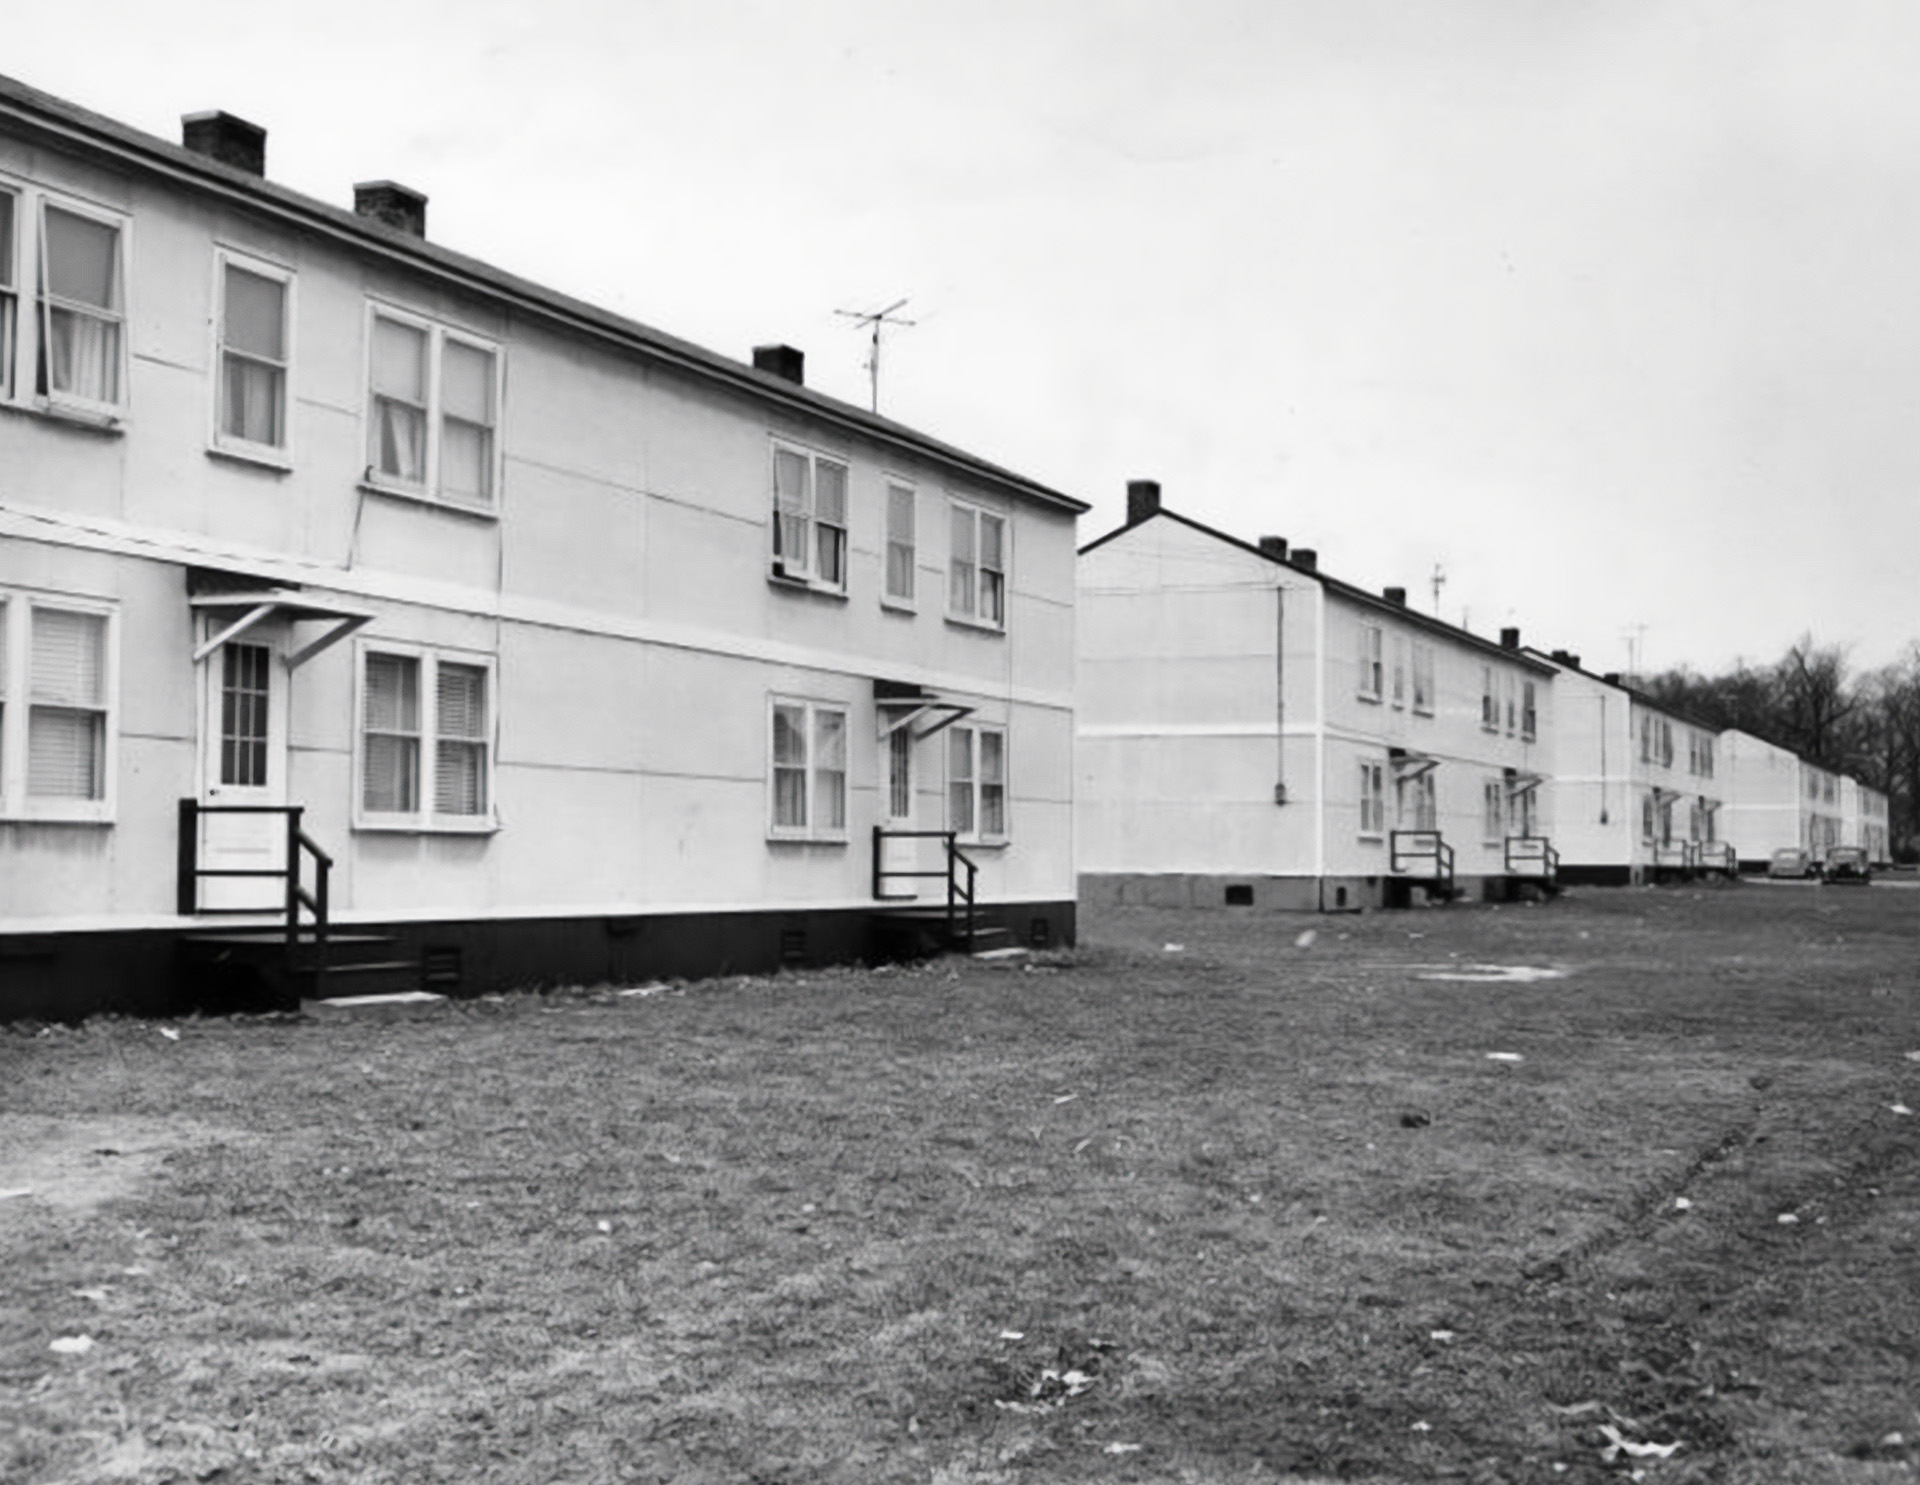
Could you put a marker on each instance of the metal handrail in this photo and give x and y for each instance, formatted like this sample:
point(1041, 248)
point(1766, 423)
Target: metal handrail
point(1424, 845)
point(299, 843)
point(1528, 850)
point(956, 861)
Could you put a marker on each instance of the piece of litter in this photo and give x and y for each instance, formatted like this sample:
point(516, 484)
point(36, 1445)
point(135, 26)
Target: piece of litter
point(398, 997)
point(1504, 1057)
point(1893, 1440)
point(1900, 1108)
point(1786, 1219)
point(72, 1345)
point(1442, 1336)
point(604, 1225)
point(1574, 1410)
point(1305, 940)
point(1013, 1335)
point(1618, 1444)
point(1121, 1449)
point(16, 1191)
point(1496, 974)
point(1176, 948)
point(1066, 1098)
point(1913, 1056)
point(135, 1272)
point(1011, 951)
point(1089, 1140)
point(169, 1033)
point(643, 990)
point(1681, 1204)
point(98, 1296)
point(1423, 1426)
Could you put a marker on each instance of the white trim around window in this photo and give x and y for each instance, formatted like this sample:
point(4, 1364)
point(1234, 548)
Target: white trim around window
point(807, 753)
point(434, 394)
point(425, 737)
point(59, 707)
point(252, 360)
point(899, 544)
point(64, 305)
point(808, 537)
point(979, 558)
point(1373, 798)
point(1372, 678)
point(977, 798)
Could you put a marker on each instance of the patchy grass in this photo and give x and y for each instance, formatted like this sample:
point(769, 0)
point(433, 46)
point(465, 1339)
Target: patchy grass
point(1269, 1208)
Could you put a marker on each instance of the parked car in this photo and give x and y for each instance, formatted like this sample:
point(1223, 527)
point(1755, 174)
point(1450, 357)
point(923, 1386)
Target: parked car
point(1848, 864)
point(1791, 861)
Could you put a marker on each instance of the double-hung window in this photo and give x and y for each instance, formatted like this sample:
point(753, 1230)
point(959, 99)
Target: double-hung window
point(977, 565)
point(977, 782)
point(1371, 665)
point(1423, 679)
point(63, 310)
point(1399, 671)
point(1493, 809)
point(809, 518)
point(433, 398)
point(254, 327)
point(1489, 703)
point(1373, 797)
point(426, 739)
point(808, 761)
point(1529, 718)
point(901, 512)
point(57, 688)
point(9, 288)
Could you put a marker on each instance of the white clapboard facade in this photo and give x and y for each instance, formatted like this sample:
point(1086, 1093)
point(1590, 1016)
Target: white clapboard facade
point(581, 651)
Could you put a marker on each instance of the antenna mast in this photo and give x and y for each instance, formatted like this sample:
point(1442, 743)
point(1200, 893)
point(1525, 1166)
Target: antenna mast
point(874, 319)
point(1439, 581)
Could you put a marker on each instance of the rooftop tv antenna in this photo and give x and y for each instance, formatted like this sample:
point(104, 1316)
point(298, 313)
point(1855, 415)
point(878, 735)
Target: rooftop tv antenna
point(1439, 581)
point(873, 319)
point(1635, 634)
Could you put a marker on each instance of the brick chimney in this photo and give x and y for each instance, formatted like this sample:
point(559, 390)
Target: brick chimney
point(1274, 547)
point(400, 207)
point(1509, 639)
point(1143, 500)
point(231, 141)
point(1395, 596)
point(783, 361)
point(1306, 559)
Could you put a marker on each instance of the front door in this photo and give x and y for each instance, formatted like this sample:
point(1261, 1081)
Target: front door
point(244, 762)
point(897, 787)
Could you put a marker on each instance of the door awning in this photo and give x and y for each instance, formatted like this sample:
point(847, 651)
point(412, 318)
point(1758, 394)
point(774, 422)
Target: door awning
point(906, 706)
point(243, 610)
point(1521, 784)
point(1408, 764)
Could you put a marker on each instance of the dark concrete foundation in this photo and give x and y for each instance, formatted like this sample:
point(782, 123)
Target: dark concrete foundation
point(69, 976)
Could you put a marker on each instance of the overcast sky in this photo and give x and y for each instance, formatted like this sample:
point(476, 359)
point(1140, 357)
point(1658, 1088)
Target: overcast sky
point(1611, 309)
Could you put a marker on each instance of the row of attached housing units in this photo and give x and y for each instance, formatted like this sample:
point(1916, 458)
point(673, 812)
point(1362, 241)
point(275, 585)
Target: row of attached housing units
point(369, 612)
point(1254, 731)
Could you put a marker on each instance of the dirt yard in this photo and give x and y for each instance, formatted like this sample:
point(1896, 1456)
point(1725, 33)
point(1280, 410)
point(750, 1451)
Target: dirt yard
point(1627, 1183)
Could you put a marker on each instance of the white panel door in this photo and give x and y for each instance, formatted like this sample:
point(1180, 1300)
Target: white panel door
point(244, 762)
point(897, 789)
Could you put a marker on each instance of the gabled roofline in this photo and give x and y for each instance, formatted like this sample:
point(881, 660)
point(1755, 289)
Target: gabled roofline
point(66, 124)
point(1652, 702)
point(1345, 590)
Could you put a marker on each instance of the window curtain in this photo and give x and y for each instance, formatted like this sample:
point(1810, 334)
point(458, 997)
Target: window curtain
point(460, 754)
point(400, 400)
point(391, 711)
point(790, 767)
point(66, 717)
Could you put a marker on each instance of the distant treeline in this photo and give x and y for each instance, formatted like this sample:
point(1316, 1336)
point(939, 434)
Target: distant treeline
point(1866, 725)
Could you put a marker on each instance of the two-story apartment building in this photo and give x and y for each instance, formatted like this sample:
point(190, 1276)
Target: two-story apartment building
point(1637, 789)
point(1864, 820)
point(1254, 731)
point(1765, 790)
point(581, 652)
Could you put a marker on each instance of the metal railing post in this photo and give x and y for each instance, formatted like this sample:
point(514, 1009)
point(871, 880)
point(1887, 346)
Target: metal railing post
point(293, 881)
point(187, 869)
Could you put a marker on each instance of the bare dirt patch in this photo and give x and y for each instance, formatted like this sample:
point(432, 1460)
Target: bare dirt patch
point(74, 1164)
point(1256, 1209)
